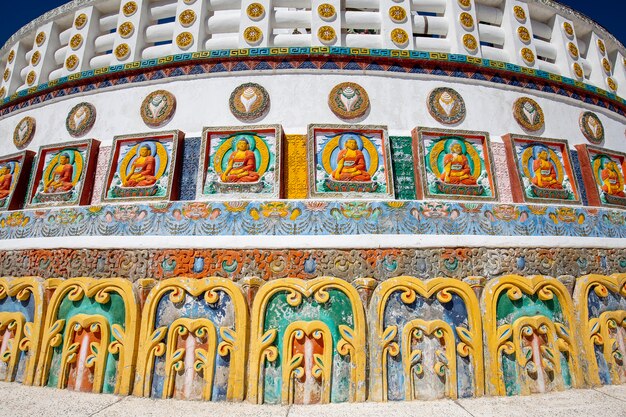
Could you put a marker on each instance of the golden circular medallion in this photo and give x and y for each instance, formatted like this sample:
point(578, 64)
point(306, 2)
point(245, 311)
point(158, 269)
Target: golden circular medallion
point(129, 8)
point(184, 40)
point(469, 41)
point(466, 20)
point(122, 51)
point(578, 70)
point(326, 11)
point(253, 35)
point(80, 21)
point(126, 30)
point(40, 39)
point(519, 13)
point(326, 34)
point(523, 34)
point(34, 60)
point(573, 50)
point(397, 14)
point(606, 65)
point(528, 114)
point(71, 62)
point(348, 100)
point(76, 41)
point(255, 11)
point(569, 30)
point(7, 74)
point(601, 46)
point(611, 83)
point(11, 56)
point(466, 4)
point(528, 56)
point(3, 91)
point(187, 18)
point(399, 37)
point(189, 1)
point(30, 78)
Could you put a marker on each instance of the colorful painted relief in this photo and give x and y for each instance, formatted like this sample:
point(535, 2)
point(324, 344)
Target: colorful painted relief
point(89, 336)
point(14, 175)
point(63, 174)
point(349, 162)
point(528, 114)
point(425, 340)
point(348, 101)
point(193, 340)
point(24, 132)
point(592, 127)
point(249, 102)
point(446, 106)
point(453, 164)
point(600, 303)
point(80, 119)
point(22, 308)
point(603, 175)
point(307, 343)
point(144, 167)
point(531, 342)
point(158, 108)
point(540, 170)
point(242, 164)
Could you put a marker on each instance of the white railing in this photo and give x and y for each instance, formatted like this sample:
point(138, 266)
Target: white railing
point(90, 34)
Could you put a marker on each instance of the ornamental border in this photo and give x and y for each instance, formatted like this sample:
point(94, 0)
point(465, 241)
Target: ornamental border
point(314, 58)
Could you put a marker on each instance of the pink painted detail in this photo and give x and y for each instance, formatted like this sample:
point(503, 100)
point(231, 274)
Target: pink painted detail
point(190, 373)
point(5, 336)
point(535, 343)
point(498, 152)
point(308, 390)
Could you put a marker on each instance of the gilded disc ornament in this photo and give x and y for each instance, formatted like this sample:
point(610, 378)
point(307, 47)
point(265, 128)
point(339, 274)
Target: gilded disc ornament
point(466, 20)
point(528, 114)
point(470, 43)
point(592, 127)
point(80, 21)
point(31, 77)
point(40, 39)
point(606, 65)
point(255, 11)
point(573, 50)
point(528, 56)
point(326, 34)
point(523, 34)
point(129, 8)
point(158, 108)
point(187, 18)
point(126, 30)
point(76, 41)
point(569, 29)
point(253, 35)
point(446, 106)
point(24, 132)
point(3, 92)
point(122, 51)
point(348, 100)
point(11, 56)
point(71, 62)
point(465, 4)
point(578, 70)
point(249, 101)
point(34, 60)
point(611, 83)
point(399, 37)
point(7, 74)
point(326, 11)
point(184, 40)
point(601, 46)
point(397, 14)
point(519, 13)
point(80, 119)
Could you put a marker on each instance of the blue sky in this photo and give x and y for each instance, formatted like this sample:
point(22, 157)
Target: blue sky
point(609, 13)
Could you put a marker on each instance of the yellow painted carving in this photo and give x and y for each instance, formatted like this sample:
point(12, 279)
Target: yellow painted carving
point(26, 335)
point(292, 365)
point(383, 340)
point(297, 168)
point(152, 342)
point(500, 339)
point(352, 342)
point(597, 330)
point(97, 358)
point(75, 289)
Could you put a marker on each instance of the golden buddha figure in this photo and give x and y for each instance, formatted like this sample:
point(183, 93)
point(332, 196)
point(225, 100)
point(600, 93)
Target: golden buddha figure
point(143, 169)
point(5, 181)
point(351, 164)
point(544, 172)
point(611, 179)
point(241, 165)
point(61, 178)
point(456, 168)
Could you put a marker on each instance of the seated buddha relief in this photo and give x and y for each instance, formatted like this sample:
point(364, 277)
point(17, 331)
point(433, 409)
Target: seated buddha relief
point(6, 180)
point(612, 180)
